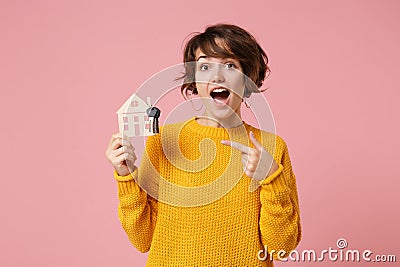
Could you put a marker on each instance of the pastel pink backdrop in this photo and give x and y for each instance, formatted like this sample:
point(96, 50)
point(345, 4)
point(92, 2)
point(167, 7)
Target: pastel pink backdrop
point(67, 66)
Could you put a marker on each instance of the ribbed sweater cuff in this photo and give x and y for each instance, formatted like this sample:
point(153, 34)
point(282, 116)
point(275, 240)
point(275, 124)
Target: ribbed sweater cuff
point(126, 184)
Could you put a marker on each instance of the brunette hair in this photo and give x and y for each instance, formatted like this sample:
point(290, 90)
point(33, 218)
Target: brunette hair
point(227, 41)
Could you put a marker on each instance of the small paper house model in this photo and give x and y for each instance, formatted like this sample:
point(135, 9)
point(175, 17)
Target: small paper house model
point(132, 117)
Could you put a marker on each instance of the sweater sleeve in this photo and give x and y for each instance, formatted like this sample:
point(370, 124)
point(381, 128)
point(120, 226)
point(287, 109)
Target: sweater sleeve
point(279, 216)
point(137, 211)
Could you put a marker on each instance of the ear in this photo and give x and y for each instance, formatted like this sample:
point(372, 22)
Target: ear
point(189, 91)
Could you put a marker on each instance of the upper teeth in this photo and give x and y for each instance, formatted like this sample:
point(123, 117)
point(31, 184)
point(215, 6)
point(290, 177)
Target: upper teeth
point(219, 90)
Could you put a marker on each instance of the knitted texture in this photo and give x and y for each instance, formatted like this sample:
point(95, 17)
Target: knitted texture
point(228, 227)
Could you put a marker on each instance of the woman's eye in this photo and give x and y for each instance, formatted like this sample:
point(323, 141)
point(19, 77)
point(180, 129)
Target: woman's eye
point(230, 65)
point(204, 67)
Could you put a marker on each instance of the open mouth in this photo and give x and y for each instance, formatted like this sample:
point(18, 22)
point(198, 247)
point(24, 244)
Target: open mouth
point(220, 95)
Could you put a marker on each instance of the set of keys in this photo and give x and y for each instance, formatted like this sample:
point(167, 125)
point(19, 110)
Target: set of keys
point(153, 113)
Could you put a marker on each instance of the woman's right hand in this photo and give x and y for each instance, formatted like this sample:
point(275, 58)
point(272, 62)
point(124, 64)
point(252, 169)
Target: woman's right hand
point(120, 153)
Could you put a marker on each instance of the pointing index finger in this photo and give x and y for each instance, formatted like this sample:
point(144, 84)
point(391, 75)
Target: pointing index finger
point(238, 146)
point(255, 142)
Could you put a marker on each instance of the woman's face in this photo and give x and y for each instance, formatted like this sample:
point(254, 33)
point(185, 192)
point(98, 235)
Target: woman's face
point(220, 84)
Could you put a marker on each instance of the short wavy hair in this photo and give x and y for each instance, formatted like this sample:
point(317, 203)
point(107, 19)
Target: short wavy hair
point(227, 41)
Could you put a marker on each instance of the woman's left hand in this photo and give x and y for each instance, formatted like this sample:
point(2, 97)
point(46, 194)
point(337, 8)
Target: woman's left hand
point(258, 163)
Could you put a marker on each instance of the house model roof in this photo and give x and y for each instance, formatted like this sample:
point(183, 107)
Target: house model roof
point(134, 104)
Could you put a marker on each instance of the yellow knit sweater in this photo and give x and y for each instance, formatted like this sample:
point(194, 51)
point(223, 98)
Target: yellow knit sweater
point(226, 228)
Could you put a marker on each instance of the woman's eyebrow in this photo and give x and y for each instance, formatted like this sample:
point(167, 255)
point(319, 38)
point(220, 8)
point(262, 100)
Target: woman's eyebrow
point(201, 57)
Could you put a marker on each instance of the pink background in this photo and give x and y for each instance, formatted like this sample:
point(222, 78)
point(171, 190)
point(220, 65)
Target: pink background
point(67, 66)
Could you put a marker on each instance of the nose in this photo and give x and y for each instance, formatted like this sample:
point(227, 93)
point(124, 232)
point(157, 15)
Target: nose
point(218, 74)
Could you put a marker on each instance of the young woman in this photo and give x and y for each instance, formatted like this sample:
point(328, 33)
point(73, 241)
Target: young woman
point(210, 226)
